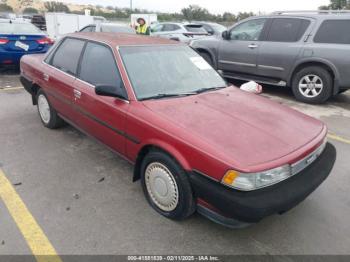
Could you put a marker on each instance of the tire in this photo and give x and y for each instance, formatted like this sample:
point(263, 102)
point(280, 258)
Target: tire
point(207, 58)
point(48, 115)
point(166, 186)
point(312, 85)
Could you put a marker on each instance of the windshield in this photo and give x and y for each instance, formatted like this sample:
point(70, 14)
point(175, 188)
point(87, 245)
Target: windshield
point(117, 29)
point(159, 70)
point(19, 29)
point(218, 28)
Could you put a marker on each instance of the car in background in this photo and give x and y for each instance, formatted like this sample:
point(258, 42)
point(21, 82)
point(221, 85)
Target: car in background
point(18, 38)
point(39, 21)
point(196, 142)
point(108, 28)
point(183, 32)
point(214, 29)
point(307, 51)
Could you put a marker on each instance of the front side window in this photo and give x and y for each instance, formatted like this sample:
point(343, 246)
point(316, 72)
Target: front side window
point(66, 57)
point(333, 32)
point(287, 29)
point(98, 66)
point(157, 28)
point(164, 70)
point(248, 31)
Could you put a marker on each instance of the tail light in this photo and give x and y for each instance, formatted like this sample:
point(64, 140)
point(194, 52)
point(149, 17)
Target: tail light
point(3, 41)
point(45, 41)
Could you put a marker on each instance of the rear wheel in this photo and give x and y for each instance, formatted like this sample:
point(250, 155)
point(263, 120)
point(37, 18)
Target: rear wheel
point(166, 186)
point(312, 85)
point(47, 113)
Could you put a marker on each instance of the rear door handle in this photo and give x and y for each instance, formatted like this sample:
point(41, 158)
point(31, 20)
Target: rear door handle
point(253, 46)
point(77, 94)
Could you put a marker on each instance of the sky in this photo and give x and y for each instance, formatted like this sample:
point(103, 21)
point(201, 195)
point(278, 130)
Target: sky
point(214, 6)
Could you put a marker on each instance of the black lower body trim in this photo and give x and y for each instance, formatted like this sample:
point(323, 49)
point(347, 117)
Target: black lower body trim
point(251, 207)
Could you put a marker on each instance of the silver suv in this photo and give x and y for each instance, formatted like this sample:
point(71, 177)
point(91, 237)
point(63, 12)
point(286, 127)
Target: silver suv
point(308, 51)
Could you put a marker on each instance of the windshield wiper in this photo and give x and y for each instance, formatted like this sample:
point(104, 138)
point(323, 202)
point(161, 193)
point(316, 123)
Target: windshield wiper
point(203, 90)
point(159, 96)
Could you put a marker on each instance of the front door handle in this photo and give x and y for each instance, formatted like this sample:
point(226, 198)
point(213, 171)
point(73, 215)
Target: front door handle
point(46, 77)
point(77, 94)
point(253, 46)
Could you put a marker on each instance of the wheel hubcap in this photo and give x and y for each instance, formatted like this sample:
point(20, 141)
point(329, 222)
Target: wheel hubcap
point(44, 109)
point(310, 86)
point(161, 186)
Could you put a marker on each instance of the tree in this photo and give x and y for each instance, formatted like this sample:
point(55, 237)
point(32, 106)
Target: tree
point(5, 8)
point(195, 12)
point(336, 5)
point(53, 6)
point(30, 10)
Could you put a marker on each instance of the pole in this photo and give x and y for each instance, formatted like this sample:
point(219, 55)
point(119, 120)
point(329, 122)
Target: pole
point(131, 5)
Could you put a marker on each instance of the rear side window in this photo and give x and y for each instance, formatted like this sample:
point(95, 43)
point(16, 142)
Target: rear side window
point(66, 57)
point(287, 29)
point(195, 28)
point(98, 66)
point(333, 32)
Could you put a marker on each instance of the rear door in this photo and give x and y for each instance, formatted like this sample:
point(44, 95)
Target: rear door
point(101, 116)
point(239, 53)
point(60, 78)
point(282, 45)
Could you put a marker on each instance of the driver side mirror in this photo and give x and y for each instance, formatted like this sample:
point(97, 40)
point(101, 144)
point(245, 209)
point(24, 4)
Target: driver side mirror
point(225, 35)
point(111, 91)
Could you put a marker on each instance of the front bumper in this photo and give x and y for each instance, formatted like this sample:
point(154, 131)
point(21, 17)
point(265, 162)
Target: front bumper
point(252, 206)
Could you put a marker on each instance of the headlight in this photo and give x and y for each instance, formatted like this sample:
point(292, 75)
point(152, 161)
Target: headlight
point(253, 181)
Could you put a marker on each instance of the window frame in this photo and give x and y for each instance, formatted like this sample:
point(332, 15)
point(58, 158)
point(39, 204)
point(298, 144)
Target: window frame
point(115, 62)
point(262, 34)
point(319, 27)
point(270, 23)
point(52, 55)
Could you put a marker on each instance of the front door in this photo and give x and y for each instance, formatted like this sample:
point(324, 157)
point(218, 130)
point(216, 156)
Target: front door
point(239, 52)
point(102, 117)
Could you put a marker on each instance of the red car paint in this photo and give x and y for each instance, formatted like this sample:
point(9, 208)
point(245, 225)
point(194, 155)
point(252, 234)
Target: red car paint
point(226, 129)
point(210, 132)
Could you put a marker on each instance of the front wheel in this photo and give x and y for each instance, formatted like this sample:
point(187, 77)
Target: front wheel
point(47, 113)
point(312, 85)
point(166, 186)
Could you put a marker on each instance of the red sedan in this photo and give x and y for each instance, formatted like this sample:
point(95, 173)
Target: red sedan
point(197, 143)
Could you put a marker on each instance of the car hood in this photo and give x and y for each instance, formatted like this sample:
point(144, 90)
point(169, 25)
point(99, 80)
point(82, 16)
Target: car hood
point(245, 127)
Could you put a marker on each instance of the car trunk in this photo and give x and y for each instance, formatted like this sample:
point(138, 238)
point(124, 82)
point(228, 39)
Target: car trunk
point(22, 43)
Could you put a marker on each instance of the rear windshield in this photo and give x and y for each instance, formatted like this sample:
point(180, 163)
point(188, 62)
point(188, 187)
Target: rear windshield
point(19, 29)
point(334, 32)
point(195, 28)
point(117, 29)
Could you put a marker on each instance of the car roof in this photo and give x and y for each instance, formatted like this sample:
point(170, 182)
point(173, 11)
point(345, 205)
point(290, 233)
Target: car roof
point(123, 39)
point(319, 14)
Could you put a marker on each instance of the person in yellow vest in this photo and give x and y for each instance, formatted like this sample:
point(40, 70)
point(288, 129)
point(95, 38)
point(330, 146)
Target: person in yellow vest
point(142, 28)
